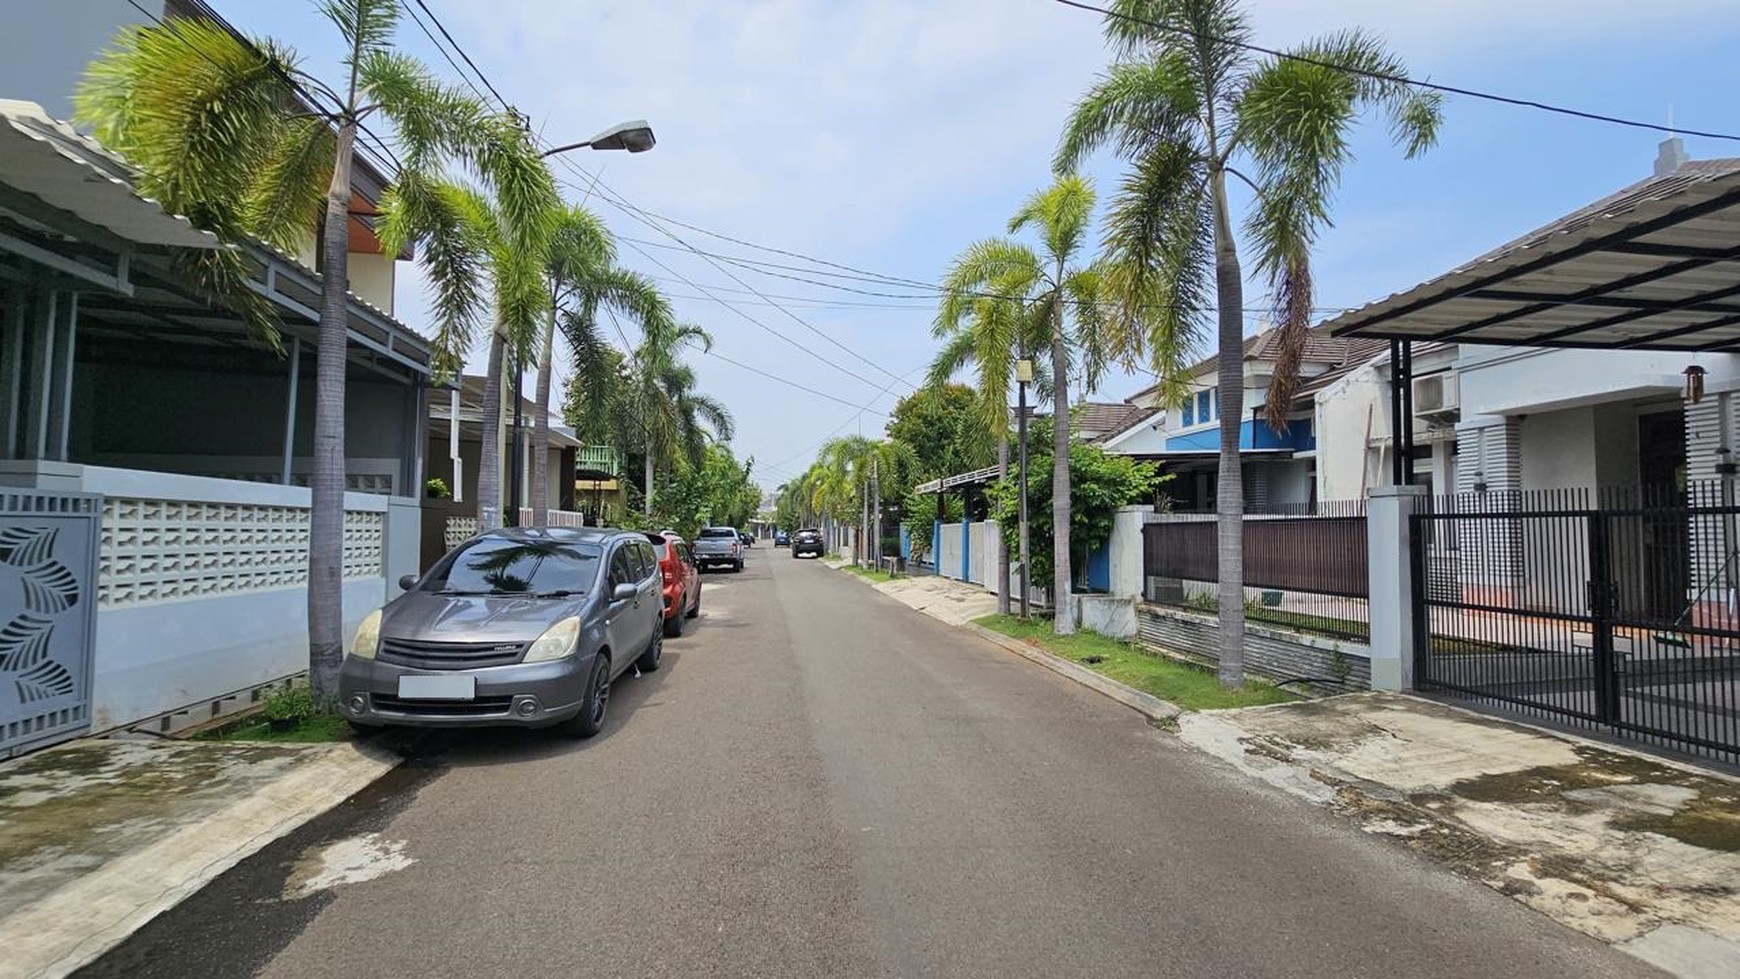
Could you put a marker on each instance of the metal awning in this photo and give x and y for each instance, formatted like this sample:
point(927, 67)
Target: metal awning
point(1654, 267)
point(978, 477)
point(53, 162)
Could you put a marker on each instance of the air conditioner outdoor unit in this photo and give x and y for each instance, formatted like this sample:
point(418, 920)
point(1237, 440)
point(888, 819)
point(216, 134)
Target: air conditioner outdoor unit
point(1437, 397)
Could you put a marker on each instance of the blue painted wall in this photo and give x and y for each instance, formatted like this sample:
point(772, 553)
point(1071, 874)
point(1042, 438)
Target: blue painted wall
point(1252, 435)
point(1099, 568)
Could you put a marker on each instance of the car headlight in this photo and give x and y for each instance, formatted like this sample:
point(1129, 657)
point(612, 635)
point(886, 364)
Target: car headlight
point(556, 642)
point(367, 640)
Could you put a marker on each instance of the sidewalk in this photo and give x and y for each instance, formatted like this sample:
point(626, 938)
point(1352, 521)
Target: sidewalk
point(1636, 851)
point(1630, 849)
point(99, 836)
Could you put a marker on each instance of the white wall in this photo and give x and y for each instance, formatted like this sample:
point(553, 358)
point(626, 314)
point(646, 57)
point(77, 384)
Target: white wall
point(1558, 449)
point(371, 277)
point(1509, 381)
point(1349, 414)
point(156, 656)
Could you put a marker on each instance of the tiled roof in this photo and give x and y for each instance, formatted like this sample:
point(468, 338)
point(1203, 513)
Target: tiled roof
point(1100, 420)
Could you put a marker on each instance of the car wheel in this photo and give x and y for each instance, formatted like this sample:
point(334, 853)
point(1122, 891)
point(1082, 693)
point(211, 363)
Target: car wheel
point(595, 704)
point(695, 609)
point(673, 626)
point(737, 567)
point(655, 651)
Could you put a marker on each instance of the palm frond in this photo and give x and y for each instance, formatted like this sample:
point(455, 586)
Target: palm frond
point(286, 203)
point(1135, 105)
point(367, 25)
point(1060, 213)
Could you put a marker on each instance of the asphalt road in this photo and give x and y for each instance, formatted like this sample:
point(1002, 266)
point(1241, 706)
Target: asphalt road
point(822, 782)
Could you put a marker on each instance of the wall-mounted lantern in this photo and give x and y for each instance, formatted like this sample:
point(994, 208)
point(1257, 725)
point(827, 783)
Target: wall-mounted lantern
point(1694, 392)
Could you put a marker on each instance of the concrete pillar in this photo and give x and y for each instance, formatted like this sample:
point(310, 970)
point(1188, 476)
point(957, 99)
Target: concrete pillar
point(1390, 608)
point(1125, 549)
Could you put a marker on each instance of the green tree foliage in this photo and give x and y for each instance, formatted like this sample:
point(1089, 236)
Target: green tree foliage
point(944, 428)
point(717, 493)
point(1099, 482)
point(919, 514)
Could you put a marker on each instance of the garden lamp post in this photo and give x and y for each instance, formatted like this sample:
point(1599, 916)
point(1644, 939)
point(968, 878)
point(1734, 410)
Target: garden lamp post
point(1023, 377)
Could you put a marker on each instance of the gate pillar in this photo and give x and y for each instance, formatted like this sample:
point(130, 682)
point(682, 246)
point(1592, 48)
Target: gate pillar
point(1394, 606)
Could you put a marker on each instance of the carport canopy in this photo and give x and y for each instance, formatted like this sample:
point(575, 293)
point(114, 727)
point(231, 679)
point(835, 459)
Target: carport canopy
point(1655, 266)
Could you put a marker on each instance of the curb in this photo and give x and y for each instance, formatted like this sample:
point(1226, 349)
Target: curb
point(78, 923)
point(1142, 703)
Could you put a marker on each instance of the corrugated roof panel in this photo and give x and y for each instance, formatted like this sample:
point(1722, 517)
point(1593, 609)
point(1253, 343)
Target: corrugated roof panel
point(49, 160)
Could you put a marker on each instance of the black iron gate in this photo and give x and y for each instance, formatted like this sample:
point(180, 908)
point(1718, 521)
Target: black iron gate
point(1617, 610)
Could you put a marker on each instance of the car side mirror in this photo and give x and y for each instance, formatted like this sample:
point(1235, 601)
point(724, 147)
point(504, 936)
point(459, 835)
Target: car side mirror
point(624, 592)
point(407, 582)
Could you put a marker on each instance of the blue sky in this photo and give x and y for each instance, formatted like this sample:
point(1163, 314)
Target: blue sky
point(888, 134)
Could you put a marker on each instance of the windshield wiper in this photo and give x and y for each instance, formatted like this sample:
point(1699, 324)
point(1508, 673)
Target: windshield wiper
point(557, 593)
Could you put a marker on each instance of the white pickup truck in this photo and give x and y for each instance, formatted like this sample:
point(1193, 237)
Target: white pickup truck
point(719, 547)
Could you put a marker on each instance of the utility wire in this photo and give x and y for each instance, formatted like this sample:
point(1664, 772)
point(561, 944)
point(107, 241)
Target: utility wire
point(461, 51)
point(615, 199)
point(1404, 80)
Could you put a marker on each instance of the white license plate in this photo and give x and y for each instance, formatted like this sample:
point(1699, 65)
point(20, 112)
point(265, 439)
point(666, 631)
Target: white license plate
point(438, 687)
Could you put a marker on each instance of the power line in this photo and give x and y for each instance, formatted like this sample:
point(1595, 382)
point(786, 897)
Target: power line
point(1404, 80)
point(775, 377)
point(461, 51)
point(442, 50)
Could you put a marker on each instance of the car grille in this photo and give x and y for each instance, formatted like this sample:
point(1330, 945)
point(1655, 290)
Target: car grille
point(481, 707)
point(449, 655)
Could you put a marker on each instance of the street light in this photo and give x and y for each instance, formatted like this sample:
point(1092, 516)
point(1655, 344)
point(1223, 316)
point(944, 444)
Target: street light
point(1023, 377)
point(634, 136)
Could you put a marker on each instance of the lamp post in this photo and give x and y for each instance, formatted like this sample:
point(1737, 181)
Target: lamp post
point(635, 136)
point(1023, 377)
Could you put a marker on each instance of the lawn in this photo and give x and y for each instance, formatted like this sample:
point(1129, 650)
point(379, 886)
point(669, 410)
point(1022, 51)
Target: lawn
point(873, 574)
point(1189, 687)
point(319, 727)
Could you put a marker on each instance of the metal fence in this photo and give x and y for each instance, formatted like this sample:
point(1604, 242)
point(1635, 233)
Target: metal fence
point(1616, 610)
point(1305, 571)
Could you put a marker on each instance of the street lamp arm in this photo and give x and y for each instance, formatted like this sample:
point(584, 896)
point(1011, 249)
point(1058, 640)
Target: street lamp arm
point(634, 136)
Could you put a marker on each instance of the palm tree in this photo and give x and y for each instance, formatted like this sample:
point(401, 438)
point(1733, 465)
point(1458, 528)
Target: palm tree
point(839, 482)
point(472, 238)
point(675, 419)
point(1042, 295)
point(1181, 104)
point(210, 118)
point(582, 276)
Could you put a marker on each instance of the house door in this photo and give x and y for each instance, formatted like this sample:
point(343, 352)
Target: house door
point(1661, 464)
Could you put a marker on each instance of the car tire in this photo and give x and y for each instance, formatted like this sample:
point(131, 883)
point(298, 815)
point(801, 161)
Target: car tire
point(594, 704)
point(738, 567)
point(655, 652)
point(361, 730)
point(695, 609)
point(673, 625)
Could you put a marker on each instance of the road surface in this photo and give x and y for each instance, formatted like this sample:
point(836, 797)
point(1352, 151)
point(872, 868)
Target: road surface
point(822, 782)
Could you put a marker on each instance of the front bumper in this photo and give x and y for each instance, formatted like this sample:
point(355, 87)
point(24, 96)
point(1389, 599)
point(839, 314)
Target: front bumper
point(520, 695)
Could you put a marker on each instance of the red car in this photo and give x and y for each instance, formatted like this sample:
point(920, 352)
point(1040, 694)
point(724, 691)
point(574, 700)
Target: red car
point(681, 580)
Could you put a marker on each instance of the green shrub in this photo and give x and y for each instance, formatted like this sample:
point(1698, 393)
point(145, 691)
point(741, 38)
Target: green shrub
point(289, 704)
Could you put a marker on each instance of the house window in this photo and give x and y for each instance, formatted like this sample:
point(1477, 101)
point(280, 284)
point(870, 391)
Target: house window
point(1217, 402)
point(1189, 412)
point(1202, 403)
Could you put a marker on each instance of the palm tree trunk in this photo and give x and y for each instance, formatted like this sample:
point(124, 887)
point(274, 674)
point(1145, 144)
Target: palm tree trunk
point(1230, 497)
point(541, 429)
point(1064, 608)
point(646, 501)
point(1002, 536)
point(326, 482)
point(489, 459)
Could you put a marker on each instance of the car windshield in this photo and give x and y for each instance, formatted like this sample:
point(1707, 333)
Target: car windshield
point(502, 566)
point(718, 532)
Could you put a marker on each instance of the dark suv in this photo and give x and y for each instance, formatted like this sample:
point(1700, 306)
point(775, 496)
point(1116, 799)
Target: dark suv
point(807, 542)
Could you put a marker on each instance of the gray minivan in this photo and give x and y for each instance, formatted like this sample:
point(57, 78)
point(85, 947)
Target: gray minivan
point(520, 626)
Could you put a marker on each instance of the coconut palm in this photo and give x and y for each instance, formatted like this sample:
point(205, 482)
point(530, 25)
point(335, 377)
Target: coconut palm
point(676, 419)
point(1185, 105)
point(1045, 296)
point(227, 127)
point(583, 278)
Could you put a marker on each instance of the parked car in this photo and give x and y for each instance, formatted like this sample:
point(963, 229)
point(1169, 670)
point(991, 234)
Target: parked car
point(808, 542)
point(681, 578)
point(719, 547)
point(747, 538)
point(519, 626)
point(781, 538)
